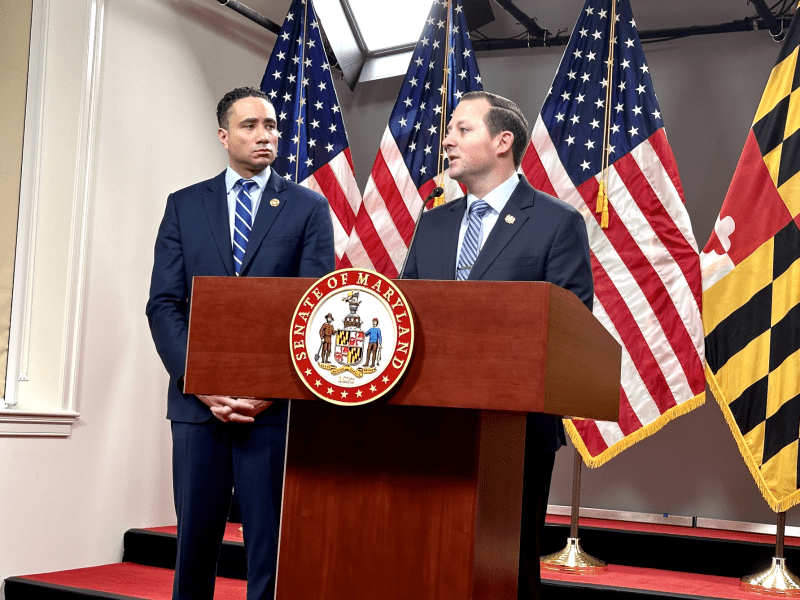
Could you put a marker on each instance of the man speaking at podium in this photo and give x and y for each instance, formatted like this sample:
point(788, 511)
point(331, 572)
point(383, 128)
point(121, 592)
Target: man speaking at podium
point(246, 221)
point(503, 229)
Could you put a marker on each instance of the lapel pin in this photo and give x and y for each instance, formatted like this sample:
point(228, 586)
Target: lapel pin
point(274, 202)
point(510, 219)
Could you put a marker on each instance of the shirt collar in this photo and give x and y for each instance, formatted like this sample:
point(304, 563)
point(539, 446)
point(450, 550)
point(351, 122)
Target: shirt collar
point(498, 197)
point(231, 177)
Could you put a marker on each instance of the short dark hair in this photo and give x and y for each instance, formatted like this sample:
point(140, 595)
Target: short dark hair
point(224, 105)
point(504, 115)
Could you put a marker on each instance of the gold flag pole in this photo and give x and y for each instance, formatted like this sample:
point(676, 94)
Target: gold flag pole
point(602, 190)
point(572, 558)
point(777, 580)
point(301, 75)
point(439, 200)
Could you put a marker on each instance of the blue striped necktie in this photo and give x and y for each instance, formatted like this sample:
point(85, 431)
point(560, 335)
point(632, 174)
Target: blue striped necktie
point(472, 239)
point(243, 220)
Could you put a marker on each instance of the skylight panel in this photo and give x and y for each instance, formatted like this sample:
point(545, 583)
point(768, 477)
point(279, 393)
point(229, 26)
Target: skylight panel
point(384, 25)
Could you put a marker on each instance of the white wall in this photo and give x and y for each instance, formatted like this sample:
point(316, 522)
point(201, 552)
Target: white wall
point(68, 501)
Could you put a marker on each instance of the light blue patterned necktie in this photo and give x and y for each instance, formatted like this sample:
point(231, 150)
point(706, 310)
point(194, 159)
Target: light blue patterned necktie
point(243, 221)
point(471, 244)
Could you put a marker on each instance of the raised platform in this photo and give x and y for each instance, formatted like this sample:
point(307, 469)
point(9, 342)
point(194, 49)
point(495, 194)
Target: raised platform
point(672, 548)
point(645, 562)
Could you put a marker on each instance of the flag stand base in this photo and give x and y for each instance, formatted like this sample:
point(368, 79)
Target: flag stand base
point(573, 559)
point(775, 581)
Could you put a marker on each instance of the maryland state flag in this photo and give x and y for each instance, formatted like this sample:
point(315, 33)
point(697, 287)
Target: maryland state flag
point(751, 290)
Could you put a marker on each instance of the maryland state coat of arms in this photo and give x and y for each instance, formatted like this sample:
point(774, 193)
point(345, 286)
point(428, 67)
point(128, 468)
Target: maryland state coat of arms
point(352, 336)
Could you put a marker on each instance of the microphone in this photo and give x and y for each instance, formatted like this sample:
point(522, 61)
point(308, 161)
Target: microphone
point(437, 191)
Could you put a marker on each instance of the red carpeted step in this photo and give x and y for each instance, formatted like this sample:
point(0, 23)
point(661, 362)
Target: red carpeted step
point(653, 581)
point(122, 580)
point(232, 531)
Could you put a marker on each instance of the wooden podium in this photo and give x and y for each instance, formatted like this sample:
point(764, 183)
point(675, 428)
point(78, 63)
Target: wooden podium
point(416, 495)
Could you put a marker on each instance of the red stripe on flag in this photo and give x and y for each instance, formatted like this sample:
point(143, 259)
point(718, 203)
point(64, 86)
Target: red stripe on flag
point(349, 157)
point(534, 171)
point(373, 244)
point(661, 223)
point(425, 189)
point(628, 421)
point(664, 152)
point(590, 434)
point(588, 191)
point(653, 290)
point(332, 190)
point(385, 184)
point(631, 336)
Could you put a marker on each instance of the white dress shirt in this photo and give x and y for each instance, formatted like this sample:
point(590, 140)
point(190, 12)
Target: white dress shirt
point(231, 177)
point(496, 199)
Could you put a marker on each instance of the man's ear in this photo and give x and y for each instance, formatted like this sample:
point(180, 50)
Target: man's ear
point(504, 142)
point(222, 134)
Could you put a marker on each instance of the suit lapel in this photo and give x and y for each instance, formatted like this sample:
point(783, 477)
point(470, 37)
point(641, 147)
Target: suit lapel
point(216, 205)
point(508, 225)
point(449, 237)
point(266, 215)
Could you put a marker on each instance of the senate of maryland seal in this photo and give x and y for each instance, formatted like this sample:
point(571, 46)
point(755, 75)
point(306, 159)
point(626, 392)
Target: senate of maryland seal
point(351, 337)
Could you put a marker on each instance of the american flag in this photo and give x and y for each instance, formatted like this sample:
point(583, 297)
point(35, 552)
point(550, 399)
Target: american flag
point(410, 162)
point(313, 149)
point(645, 263)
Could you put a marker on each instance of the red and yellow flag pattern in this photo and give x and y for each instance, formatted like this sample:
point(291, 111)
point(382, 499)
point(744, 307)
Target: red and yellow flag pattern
point(751, 290)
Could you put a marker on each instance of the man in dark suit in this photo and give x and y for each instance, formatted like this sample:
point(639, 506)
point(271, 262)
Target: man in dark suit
point(247, 221)
point(503, 229)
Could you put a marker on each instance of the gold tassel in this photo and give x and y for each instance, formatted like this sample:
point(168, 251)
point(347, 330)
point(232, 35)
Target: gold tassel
point(438, 201)
point(601, 197)
point(602, 205)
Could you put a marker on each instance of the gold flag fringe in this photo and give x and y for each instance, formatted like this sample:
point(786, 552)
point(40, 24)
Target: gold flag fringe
point(629, 440)
point(776, 504)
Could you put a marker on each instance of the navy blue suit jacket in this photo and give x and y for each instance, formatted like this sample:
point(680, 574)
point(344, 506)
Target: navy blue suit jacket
point(546, 240)
point(292, 239)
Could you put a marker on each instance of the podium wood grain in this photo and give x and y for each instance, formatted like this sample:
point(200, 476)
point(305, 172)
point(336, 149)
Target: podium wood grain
point(524, 346)
point(418, 494)
point(396, 502)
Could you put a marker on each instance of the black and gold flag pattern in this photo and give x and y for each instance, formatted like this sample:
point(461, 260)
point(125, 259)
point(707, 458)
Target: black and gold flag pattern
point(751, 290)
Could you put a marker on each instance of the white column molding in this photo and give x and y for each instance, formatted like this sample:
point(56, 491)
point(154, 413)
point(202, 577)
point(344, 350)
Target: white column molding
point(83, 195)
point(54, 414)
